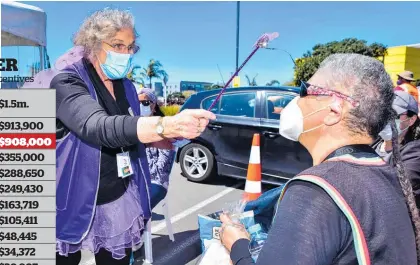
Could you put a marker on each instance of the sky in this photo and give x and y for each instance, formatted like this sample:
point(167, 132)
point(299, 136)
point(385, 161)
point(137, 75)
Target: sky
point(191, 39)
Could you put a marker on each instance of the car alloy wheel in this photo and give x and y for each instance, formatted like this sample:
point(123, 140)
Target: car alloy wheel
point(196, 163)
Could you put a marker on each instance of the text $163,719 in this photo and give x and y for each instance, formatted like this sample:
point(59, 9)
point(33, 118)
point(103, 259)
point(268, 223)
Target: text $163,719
point(19, 205)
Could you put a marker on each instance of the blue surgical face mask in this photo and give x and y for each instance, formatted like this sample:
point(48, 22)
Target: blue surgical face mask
point(117, 65)
point(398, 122)
point(145, 111)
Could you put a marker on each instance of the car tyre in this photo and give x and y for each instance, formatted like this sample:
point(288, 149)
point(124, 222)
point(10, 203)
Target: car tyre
point(197, 163)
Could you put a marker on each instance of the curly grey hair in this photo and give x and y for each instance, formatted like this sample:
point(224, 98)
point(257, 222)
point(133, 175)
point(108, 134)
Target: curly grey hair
point(367, 82)
point(100, 26)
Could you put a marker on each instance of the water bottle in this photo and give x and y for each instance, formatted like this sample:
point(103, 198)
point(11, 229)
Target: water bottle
point(258, 238)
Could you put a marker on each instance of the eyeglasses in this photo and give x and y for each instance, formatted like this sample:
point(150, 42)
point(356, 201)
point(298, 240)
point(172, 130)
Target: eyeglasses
point(307, 89)
point(121, 48)
point(145, 102)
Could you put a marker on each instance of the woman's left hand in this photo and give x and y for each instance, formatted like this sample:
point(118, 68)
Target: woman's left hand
point(231, 232)
point(163, 144)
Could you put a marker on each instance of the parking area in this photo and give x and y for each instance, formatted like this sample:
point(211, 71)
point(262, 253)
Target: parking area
point(185, 200)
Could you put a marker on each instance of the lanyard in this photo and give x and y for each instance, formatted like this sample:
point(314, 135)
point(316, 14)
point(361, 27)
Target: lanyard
point(351, 150)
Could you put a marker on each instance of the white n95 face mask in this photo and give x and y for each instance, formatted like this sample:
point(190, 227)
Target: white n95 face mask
point(145, 111)
point(291, 121)
point(386, 133)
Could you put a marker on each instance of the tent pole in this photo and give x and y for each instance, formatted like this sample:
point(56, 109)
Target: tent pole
point(42, 55)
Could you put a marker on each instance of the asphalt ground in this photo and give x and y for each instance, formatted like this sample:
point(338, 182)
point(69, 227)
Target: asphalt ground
point(185, 201)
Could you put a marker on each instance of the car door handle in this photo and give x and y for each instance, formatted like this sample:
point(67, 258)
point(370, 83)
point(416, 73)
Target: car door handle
point(271, 135)
point(214, 127)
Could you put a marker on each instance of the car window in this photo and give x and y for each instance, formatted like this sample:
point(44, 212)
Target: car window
point(275, 104)
point(207, 103)
point(238, 104)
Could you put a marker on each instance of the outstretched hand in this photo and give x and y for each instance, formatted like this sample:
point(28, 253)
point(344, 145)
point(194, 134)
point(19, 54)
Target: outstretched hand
point(189, 123)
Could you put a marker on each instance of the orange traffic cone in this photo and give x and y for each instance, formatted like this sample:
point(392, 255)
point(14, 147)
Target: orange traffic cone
point(253, 178)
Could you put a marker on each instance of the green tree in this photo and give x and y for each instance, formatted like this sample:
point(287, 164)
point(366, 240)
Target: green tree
point(165, 79)
point(273, 83)
point(309, 63)
point(137, 75)
point(379, 50)
point(253, 81)
point(174, 96)
point(155, 70)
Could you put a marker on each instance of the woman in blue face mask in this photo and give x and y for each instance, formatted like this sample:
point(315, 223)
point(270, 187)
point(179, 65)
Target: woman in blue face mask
point(160, 159)
point(408, 127)
point(103, 178)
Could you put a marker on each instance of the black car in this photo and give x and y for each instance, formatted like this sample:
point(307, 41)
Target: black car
point(224, 148)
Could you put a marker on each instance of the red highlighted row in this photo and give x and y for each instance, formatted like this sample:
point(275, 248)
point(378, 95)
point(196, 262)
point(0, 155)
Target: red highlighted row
point(27, 141)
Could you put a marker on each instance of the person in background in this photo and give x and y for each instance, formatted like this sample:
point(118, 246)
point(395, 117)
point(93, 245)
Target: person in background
point(103, 179)
point(160, 160)
point(418, 89)
point(404, 83)
point(368, 215)
point(408, 127)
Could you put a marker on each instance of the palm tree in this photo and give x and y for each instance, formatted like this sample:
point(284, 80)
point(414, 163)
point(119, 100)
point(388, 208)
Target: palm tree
point(252, 82)
point(165, 79)
point(273, 83)
point(137, 75)
point(154, 70)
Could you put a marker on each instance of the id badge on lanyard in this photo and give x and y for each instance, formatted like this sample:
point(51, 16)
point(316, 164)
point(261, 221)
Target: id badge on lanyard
point(124, 164)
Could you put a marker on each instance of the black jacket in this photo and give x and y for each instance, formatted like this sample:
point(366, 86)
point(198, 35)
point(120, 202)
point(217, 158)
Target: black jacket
point(410, 155)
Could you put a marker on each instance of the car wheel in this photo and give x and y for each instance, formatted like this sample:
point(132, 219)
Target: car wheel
point(197, 163)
